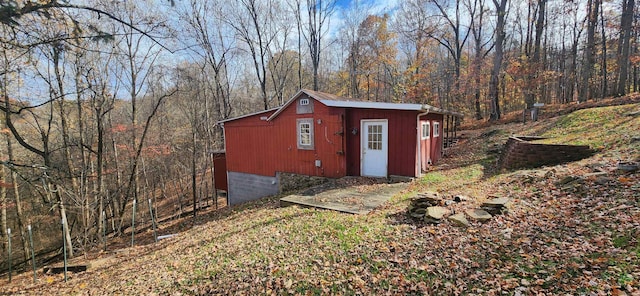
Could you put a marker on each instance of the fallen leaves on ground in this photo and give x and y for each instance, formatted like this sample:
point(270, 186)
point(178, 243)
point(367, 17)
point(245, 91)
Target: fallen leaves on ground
point(563, 233)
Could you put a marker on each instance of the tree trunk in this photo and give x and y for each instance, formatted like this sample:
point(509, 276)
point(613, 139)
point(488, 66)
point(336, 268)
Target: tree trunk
point(99, 170)
point(194, 188)
point(115, 201)
point(3, 209)
point(626, 22)
point(532, 90)
point(584, 91)
point(604, 90)
point(17, 197)
point(477, 36)
point(494, 82)
point(63, 215)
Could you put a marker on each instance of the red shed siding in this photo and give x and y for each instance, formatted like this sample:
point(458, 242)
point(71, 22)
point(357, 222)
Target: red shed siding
point(402, 140)
point(246, 143)
point(261, 147)
point(264, 148)
point(425, 146)
point(435, 148)
point(220, 171)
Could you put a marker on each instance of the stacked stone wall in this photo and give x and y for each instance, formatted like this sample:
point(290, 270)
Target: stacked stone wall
point(520, 152)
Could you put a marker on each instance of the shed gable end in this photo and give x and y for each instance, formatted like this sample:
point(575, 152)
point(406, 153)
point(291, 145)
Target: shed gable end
point(304, 105)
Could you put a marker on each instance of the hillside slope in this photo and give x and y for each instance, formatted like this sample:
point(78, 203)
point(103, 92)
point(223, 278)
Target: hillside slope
point(567, 230)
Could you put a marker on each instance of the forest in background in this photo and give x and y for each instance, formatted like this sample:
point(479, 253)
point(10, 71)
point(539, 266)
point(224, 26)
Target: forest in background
point(106, 102)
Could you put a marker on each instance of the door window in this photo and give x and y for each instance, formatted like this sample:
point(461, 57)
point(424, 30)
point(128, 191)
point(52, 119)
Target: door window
point(374, 136)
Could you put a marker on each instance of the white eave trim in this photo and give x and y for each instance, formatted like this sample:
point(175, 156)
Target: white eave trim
point(247, 115)
point(385, 105)
point(281, 108)
point(362, 105)
point(372, 105)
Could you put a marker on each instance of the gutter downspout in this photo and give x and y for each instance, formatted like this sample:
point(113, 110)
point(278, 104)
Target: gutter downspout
point(419, 139)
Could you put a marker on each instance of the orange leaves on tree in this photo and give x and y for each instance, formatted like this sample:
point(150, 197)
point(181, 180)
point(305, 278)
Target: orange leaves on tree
point(5, 184)
point(119, 128)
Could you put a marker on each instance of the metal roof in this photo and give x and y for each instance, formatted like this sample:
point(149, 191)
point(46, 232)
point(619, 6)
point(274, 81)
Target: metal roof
point(342, 102)
point(332, 100)
point(247, 115)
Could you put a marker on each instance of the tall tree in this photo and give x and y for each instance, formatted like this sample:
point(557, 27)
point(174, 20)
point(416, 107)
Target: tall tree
point(191, 103)
point(413, 26)
point(351, 41)
point(455, 39)
point(137, 61)
point(319, 12)
point(206, 26)
point(536, 68)
point(626, 23)
point(494, 82)
point(254, 23)
point(376, 57)
point(584, 92)
point(479, 44)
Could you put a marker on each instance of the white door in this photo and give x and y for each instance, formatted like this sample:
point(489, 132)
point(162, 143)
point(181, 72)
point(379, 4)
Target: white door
point(375, 147)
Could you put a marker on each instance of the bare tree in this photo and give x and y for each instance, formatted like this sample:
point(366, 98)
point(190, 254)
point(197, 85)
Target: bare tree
point(350, 40)
point(584, 91)
point(206, 27)
point(319, 12)
point(101, 99)
point(254, 23)
point(137, 60)
point(626, 22)
point(455, 39)
point(531, 91)
point(494, 82)
point(477, 25)
point(9, 178)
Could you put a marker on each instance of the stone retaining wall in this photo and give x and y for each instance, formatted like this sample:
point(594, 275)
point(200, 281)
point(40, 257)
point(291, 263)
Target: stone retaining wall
point(519, 152)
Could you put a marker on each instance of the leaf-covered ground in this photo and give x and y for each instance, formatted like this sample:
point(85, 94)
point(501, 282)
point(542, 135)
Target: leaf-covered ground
point(572, 228)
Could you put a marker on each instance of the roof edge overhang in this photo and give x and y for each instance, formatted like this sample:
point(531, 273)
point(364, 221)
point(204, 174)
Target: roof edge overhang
point(346, 103)
point(246, 115)
point(388, 106)
point(281, 108)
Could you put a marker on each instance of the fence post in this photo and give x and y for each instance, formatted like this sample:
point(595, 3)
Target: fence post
point(64, 251)
point(33, 254)
point(133, 223)
point(153, 222)
point(104, 230)
point(9, 249)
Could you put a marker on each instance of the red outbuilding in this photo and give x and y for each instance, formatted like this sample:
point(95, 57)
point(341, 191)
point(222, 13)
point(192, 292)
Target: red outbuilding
point(320, 134)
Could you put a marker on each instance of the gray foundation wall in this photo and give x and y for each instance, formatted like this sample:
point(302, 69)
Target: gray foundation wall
point(245, 187)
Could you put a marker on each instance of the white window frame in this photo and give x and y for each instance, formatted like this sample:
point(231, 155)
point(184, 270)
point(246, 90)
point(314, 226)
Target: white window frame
point(436, 129)
point(426, 130)
point(304, 102)
point(299, 133)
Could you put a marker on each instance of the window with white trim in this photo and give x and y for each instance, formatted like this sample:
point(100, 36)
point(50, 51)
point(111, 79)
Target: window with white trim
point(304, 102)
point(436, 129)
point(305, 133)
point(426, 130)
point(374, 137)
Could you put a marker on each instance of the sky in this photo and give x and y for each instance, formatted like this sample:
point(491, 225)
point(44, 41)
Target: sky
point(378, 6)
point(30, 90)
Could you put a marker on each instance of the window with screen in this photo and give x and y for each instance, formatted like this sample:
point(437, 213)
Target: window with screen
point(426, 130)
